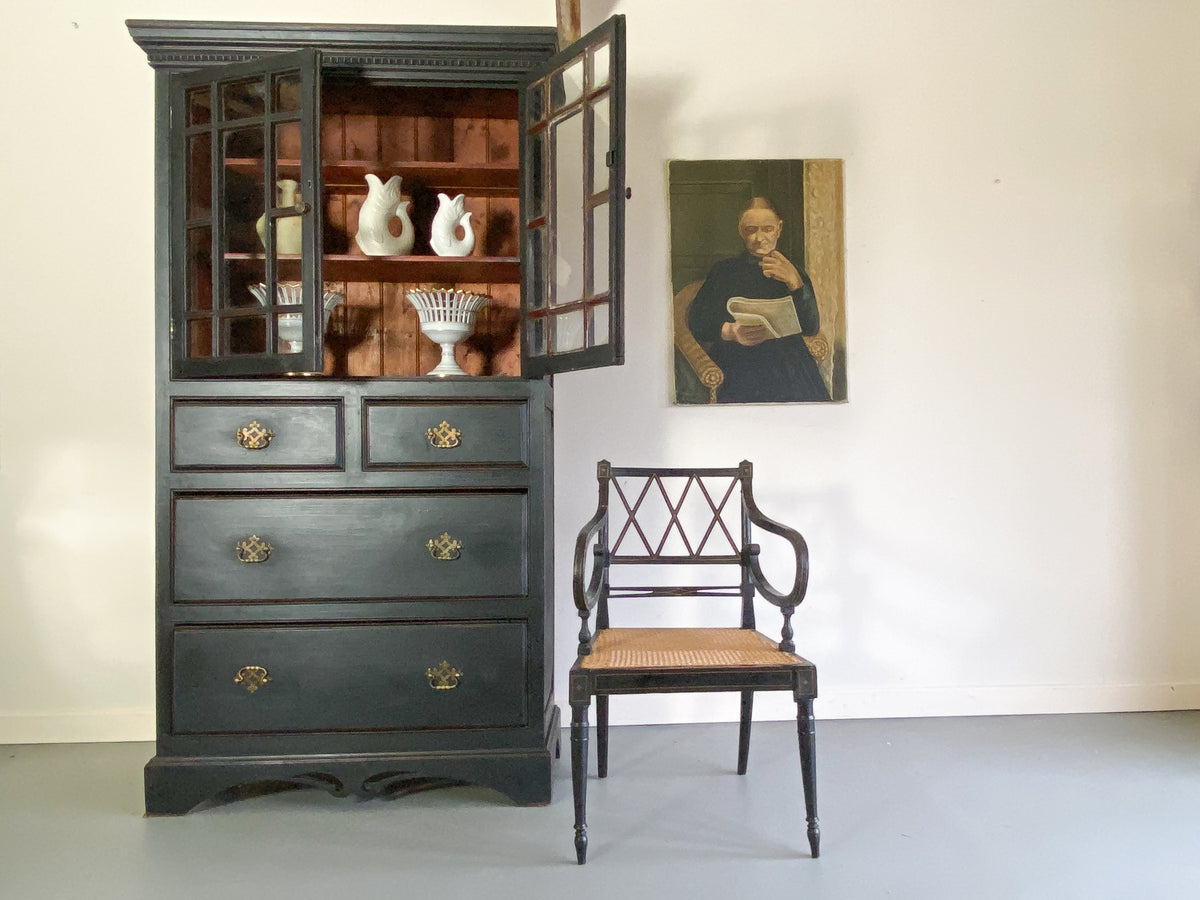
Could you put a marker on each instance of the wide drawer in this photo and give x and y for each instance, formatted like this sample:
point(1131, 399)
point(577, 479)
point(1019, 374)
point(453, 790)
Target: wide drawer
point(331, 546)
point(390, 676)
point(256, 434)
point(400, 434)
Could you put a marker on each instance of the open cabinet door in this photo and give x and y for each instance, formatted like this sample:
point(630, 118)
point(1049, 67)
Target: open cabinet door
point(573, 206)
point(245, 215)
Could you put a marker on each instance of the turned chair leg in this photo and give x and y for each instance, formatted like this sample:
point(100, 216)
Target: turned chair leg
point(579, 756)
point(744, 731)
point(602, 735)
point(806, 726)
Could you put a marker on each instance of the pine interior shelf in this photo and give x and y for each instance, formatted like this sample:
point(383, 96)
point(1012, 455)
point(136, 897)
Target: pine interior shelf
point(478, 179)
point(401, 269)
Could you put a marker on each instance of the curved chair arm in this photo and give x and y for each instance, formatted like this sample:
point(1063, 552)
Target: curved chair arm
point(795, 596)
point(586, 598)
point(789, 600)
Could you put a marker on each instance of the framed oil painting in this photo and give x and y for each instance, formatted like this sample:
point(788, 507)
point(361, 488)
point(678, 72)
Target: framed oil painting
point(758, 281)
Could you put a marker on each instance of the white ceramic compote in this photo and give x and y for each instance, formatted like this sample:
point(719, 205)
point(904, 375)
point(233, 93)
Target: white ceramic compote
point(447, 318)
point(291, 325)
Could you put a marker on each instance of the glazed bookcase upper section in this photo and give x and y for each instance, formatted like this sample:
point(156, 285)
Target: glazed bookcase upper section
point(267, 132)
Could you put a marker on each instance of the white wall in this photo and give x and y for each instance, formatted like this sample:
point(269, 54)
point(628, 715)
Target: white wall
point(1002, 519)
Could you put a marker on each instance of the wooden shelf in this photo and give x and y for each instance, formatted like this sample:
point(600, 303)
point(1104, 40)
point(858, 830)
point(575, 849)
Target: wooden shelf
point(349, 176)
point(401, 269)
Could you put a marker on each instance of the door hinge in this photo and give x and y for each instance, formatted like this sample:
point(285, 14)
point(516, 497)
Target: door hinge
point(171, 330)
point(610, 158)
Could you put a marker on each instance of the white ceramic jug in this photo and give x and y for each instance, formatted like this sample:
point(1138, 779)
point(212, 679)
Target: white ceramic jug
point(289, 231)
point(443, 233)
point(383, 203)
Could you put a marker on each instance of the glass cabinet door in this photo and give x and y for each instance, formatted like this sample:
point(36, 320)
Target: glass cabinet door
point(245, 219)
point(573, 206)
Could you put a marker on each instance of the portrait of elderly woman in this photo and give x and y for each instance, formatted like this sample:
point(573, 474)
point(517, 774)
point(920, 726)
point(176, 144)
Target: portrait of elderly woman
point(758, 279)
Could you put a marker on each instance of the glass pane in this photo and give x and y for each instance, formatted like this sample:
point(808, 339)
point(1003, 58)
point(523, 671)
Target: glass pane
point(535, 204)
point(199, 106)
point(289, 331)
point(287, 148)
point(568, 331)
point(537, 337)
point(289, 230)
point(199, 338)
point(244, 189)
point(199, 268)
point(566, 85)
point(599, 248)
point(537, 264)
point(199, 176)
point(244, 284)
point(242, 99)
point(600, 66)
point(568, 211)
point(287, 92)
point(599, 325)
point(600, 142)
point(246, 334)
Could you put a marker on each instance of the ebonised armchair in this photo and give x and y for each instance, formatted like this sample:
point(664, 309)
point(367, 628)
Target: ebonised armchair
point(671, 526)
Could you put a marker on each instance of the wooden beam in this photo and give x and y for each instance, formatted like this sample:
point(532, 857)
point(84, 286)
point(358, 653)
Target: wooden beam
point(568, 22)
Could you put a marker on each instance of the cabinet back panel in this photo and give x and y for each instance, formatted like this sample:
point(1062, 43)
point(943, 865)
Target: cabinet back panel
point(468, 138)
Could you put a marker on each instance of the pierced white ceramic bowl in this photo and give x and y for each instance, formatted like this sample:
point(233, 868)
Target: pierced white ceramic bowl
point(447, 318)
point(291, 325)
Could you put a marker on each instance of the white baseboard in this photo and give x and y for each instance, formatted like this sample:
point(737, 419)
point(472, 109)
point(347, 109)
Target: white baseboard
point(114, 725)
point(1006, 700)
point(834, 703)
point(899, 703)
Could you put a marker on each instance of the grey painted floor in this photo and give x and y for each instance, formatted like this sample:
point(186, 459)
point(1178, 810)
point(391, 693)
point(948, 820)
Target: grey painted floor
point(1095, 806)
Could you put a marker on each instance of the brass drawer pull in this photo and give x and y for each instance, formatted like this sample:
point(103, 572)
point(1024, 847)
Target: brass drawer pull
point(444, 547)
point(443, 676)
point(251, 677)
point(254, 436)
point(253, 549)
point(444, 436)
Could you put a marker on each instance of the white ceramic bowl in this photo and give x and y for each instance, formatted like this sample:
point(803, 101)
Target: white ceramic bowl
point(447, 317)
point(291, 325)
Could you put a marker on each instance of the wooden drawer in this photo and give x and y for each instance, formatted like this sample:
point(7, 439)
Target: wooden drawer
point(416, 434)
point(332, 546)
point(349, 677)
point(284, 434)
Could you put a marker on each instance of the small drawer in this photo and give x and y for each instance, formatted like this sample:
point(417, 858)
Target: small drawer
point(335, 546)
point(348, 677)
point(256, 434)
point(407, 435)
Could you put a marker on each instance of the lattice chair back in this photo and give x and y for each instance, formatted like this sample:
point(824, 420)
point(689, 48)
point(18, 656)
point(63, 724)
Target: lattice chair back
point(666, 528)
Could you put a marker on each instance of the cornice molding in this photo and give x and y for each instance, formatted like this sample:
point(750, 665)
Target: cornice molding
point(496, 53)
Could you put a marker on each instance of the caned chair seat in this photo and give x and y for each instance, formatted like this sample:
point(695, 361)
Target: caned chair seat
point(685, 521)
point(686, 648)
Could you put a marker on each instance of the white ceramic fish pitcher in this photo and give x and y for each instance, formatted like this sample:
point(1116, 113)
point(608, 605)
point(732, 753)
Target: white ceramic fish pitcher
point(289, 230)
point(383, 204)
point(443, 233)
